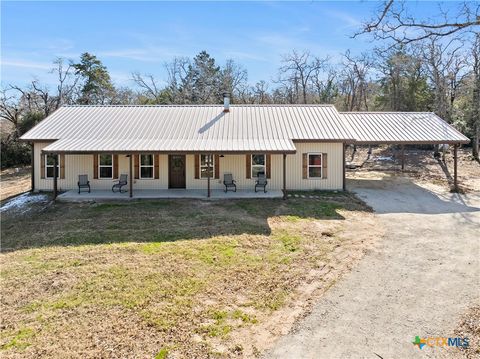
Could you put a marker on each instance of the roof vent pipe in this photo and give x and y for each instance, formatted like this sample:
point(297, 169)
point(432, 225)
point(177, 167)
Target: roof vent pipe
point(226, 102)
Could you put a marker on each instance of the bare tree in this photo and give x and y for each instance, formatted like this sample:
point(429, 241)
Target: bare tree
point(445, 64)
point(179, 81)
point(260, 91)
point(393, 22)
point(233, 77)
point(150, 88)
point(475, 110)
point(324, 84)
point(297, 71)
point(66, 82)
point(354, 81)
point(10, 110)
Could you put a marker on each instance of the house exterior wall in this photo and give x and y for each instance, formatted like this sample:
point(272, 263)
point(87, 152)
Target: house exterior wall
point(235, 164)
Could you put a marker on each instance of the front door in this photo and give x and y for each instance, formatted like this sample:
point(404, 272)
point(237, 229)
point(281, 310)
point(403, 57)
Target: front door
point(176, 171)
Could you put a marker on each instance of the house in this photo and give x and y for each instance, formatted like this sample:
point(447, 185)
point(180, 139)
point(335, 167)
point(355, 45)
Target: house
point(297, 147)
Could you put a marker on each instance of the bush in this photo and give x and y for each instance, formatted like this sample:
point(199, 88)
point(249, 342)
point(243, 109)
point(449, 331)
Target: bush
point(15, 153)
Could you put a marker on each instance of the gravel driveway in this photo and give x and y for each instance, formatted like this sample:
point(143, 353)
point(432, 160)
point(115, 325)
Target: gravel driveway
point(417, 281)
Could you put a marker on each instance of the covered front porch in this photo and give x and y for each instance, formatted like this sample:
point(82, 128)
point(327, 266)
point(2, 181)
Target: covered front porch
point(107, 195)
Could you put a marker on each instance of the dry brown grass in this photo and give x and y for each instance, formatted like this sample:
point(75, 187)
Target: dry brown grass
point(170, 278)
point(13, 182)
point(469, 327)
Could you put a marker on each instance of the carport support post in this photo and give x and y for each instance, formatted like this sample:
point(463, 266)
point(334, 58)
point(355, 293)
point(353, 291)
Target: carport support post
point(403, 157)
point(284, 176)
point(130, 170)
point(455, 181)
point(55, 175)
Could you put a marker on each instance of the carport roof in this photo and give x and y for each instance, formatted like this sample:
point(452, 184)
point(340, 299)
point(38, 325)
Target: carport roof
point(401, 128)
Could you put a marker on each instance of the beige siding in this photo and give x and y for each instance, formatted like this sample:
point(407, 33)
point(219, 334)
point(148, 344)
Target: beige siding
point(235, 164)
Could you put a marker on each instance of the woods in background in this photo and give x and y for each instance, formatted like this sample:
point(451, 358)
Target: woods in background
point(435, 67)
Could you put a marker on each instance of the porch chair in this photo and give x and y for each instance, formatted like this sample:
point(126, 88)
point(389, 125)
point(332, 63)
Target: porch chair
point(122, 181)
point(83, 182)
point(228, 181)
point(261, 182)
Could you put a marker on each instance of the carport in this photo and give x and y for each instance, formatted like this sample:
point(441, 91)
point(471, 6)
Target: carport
point(404, 128)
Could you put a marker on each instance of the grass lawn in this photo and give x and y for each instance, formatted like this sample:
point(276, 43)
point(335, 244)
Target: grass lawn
point(169, 278)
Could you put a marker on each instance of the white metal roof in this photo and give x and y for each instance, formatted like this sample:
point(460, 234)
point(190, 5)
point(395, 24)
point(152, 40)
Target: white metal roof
point(401, 127)
point(246, 128)
point(270, 128)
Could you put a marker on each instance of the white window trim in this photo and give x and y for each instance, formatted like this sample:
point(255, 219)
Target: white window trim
point(264, 166)
point(100, 166)
point(205, 166)
point(146, 166)
point(314, 166)
point(53, 166)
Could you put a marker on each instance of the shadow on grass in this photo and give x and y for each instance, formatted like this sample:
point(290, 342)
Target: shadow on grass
point(74, 224)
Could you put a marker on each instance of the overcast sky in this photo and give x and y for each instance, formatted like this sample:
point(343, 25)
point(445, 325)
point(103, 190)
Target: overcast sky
point(142, 36)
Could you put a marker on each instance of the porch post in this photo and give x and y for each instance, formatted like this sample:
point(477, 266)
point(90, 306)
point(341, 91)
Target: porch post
point(284, 176)
point(403, 157)
point(209, 158)
point(130, 170)
point(455, 180)
point(33, 168)
point(55, 176)
point(344, 184)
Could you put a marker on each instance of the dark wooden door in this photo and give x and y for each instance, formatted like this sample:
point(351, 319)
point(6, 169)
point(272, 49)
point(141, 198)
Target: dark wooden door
point(176, 171)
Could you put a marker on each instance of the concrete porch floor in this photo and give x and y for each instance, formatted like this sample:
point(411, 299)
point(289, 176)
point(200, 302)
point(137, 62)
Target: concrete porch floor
point(108, 195)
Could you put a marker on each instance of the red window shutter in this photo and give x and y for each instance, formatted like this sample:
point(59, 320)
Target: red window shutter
point(156, 161)
point(216, 162)
point(62, 166)
point(248, 166)
point(115, 166)
point(197, 166)
point(95, 166)
point(136, 166)
point(268, 164)
point(305, 165)
point(42, 165)
point(324, 166)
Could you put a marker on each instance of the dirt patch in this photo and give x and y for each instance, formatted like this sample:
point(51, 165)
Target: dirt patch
point(419, 165)
point(14, 181)
point(183, 278)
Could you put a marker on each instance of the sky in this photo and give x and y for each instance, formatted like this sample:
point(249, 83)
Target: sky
point(142, 36)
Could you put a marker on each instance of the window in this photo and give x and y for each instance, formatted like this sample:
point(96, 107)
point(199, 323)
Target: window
point(105, 166)
point(258, 165)
point(204, 166)
point(50, 164)
point(314, 165)
point(146, 166)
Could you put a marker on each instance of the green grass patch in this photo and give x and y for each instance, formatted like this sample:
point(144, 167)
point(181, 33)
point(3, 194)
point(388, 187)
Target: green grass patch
point(20, 340)
point(291, 242)
point(162, 354)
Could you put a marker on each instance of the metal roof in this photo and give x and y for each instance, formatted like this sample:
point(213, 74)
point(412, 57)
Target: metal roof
point(401, 127)
point(246, 128)
point(269, 128)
